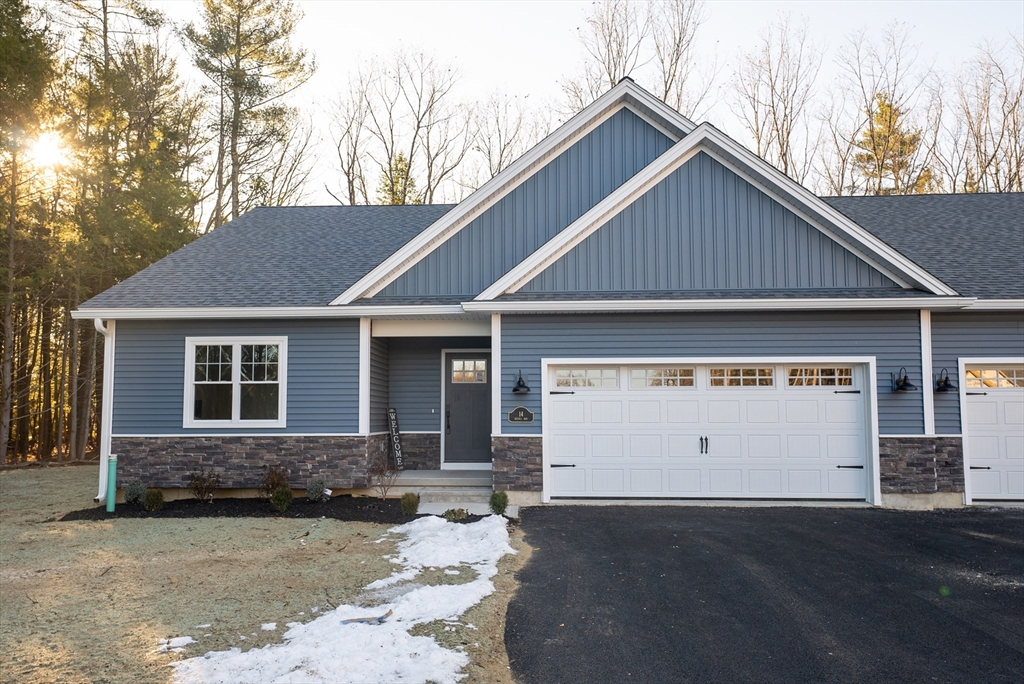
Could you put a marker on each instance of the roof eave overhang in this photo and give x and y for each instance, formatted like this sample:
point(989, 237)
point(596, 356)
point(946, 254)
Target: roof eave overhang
point(240, 312)
point(668, 305)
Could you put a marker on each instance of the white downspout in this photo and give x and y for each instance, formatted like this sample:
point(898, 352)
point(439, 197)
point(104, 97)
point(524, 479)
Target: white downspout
point(106, 410)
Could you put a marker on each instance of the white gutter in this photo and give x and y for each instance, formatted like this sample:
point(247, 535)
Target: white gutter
point(630, 305)
point(106, 410)
point(998, 305)
point(268, 312)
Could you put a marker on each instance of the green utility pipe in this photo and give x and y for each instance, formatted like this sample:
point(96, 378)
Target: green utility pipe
point(111, 482)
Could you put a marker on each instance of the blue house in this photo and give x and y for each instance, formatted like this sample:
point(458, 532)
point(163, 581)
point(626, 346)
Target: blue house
point(639, 307)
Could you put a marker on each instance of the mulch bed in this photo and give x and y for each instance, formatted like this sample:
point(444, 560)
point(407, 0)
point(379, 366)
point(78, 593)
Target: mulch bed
point(349, 508)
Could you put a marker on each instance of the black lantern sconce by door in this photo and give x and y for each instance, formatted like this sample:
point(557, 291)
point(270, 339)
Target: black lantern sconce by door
point(901, 382)
point(944, 384)
point(521, 386)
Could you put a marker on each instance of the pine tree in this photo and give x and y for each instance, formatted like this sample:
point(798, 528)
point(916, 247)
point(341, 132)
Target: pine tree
point(892, 159)
point(398, 187)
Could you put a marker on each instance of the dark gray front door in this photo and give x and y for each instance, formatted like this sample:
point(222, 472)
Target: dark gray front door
point(467, 410)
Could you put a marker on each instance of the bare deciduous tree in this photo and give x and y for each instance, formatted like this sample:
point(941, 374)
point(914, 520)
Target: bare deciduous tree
point(349, 135)
point(680, 81)
point(774, 86)
point(613, 40)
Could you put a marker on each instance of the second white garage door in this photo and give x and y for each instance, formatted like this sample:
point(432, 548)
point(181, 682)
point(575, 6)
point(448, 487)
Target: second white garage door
point(786, 431)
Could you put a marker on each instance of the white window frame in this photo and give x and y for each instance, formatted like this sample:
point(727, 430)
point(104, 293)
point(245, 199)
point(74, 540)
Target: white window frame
point(235, 342)
point(669, 388)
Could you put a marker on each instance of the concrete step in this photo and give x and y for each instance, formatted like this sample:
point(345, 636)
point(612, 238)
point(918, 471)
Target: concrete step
point(444, 478)
point(456, 494)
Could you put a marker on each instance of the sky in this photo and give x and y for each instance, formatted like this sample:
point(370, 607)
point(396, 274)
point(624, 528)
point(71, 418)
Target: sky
point(525, 47)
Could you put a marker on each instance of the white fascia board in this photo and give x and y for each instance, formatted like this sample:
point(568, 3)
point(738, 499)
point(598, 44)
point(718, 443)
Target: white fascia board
point(503, 183)
point(267, 312)
point(795, 304)
point(998, 305)
point(476, 327)
point(598, 215)
point(808, 198)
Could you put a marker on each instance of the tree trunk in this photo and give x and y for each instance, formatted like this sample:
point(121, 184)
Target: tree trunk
point(8, 360)
point(74, 362)
point(88, 393)
point(46, 377)
point(63, 381)
point(22, 383)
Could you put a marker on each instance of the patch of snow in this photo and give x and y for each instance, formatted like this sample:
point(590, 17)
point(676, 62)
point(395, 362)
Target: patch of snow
point(269, 627)
point(326, 650)
point(177, 644)
point(452, 572)
point(314, 609)
point(203, 626)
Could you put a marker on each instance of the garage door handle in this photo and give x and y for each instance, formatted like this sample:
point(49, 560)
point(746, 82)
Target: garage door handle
point(846, 392)
point(562, 465)
point(981, 467)
point(852, 467)
point(561, 393)
point(977, 394)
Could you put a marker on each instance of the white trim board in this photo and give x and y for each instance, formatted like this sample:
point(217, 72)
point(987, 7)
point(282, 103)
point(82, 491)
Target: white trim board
point(849, 235)
point(107, 407)
point(927, 383)
point(220, 312)
point(511, 177)
point(432, 328)
point(870, 389)
point(961, 372)
point(640, 305)
point(364, 376)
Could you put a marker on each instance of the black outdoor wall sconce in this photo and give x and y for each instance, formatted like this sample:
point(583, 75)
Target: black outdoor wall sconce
point(521, 386)
point(944, 384)
point(901, 382)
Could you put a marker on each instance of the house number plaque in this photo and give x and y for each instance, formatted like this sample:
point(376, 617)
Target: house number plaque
point(520, 414)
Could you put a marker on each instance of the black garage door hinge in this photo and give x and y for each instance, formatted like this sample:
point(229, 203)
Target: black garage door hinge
point(852, 467)
point(981, 467)
point(557, 392)
point(563, 465)
point(977, 394)
point(846, 392)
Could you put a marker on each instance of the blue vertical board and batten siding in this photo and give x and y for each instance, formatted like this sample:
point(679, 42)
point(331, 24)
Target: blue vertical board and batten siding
point(968, 335)
point(379, 363)
point(705, 228)
point(535, 211)
point(323, 375)
point(894, 337)
point(414, 387)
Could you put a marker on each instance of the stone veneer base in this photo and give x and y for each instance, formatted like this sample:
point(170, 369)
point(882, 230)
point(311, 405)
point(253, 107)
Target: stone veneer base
point(516, 463)
point(422, 451)
point(167, 462)
point(921, 465)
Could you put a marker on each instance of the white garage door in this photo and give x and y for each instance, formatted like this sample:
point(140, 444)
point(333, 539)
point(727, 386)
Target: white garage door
point(794, 431)
point(995, 431)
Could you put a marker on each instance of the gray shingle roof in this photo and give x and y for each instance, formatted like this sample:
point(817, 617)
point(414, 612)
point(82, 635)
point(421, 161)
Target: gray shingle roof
point(281, 256)
point(973, 243)
point(810, 293)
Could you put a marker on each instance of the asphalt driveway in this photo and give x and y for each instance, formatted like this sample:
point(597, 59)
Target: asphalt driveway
point(680, 594)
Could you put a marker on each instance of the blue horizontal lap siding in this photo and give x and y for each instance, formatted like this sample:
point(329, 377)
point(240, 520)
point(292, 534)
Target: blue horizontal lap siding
point(893, 337)
point(536, 210)
point(969, 335)
point(414, 387)
point(705, 228)
point(379, 362)
point(323, 375)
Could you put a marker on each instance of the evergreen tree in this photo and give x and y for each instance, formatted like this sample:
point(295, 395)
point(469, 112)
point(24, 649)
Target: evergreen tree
point(892, 158)
point(398, 187)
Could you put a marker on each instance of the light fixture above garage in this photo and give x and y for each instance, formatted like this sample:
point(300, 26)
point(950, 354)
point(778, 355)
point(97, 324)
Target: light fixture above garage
point(901, 382)
point(521, 386)
point(944, 384)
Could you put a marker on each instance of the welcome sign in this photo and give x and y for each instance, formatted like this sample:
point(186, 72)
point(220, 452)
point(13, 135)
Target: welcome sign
point(396, 439)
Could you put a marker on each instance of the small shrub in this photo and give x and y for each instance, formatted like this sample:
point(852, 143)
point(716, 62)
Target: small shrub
point(134, 490)
point(499, 502)
point(153, 500)
point(274, 478)
point(203, 484)
point(453, 514)
point(281, 499)
point(383, 474)
point(317, 490)
point(410, 503)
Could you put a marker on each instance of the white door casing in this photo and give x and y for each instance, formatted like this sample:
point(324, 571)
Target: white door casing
point(992, 425)
point(758, 442)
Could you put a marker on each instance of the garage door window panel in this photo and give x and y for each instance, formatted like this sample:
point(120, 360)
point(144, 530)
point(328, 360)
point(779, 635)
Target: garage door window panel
point(830, 376)
point(641, 378)
point(607, 378)
point(742, 377)
point(995, 378)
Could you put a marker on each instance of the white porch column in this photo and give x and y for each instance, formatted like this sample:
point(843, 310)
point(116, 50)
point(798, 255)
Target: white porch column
point(926, 372)
point(364, 376)
point(496, 377)
point(107, 407)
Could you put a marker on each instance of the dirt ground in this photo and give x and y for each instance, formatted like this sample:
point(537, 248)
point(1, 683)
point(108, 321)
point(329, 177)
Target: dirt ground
point(89, 601)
